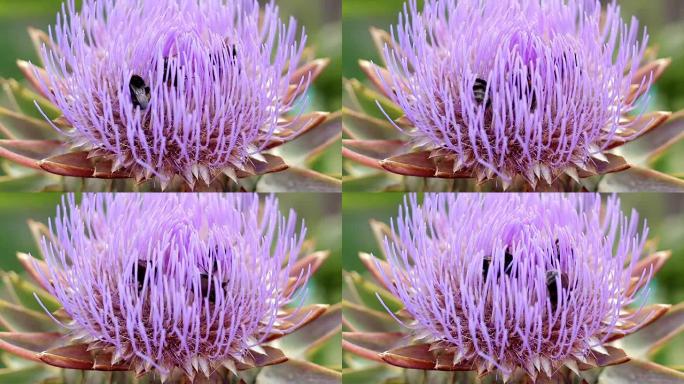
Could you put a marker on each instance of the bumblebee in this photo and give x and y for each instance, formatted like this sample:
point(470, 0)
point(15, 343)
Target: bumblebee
point(140, 92)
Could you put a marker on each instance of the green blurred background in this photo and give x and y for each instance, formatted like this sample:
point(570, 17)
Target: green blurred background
point(664, 214)
point(320, 212)
point(320, 18)
point(664, 20)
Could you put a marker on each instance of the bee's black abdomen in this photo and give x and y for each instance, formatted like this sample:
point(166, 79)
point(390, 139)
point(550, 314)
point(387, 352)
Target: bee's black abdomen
point(169, 78)
point(533, 102)
point(207, 290)
point(140, 92)
point(140, 270)
point(487, 262)
point(480, 91)
point(552, 287)
point(508, 263)
point(555, 286)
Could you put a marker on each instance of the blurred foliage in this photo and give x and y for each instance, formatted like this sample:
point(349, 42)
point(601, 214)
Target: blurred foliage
point(322, 22)
point(15, 17)
point(359, 16)
point(664, 214)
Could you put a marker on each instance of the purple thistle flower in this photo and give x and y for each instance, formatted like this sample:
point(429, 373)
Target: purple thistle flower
point(516, 87)
point(188, 282)
point(505, 282)
point(175, 87)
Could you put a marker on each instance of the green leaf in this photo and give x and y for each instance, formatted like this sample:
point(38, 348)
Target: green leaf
point(298, 180)
point(307, 147)
point(369, 99)
point(367, 291)
point(10, 102)
point(654, 144)
point(362, 319)
point(38, 231)
point(637, 371)
point(25, 127)
point(16, 318)
point(25, 293)
point(40, 38)
point(36, 268)
point(311, 337)
point(349, 99)
point(652, 337)
point(327, 161)
point(359, 126)
point(26, 100)
point(295, 371)
point(349, 291)
point(637, 179)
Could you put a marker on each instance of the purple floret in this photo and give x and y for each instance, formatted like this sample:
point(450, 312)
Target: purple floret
point(163, 282)
point(174, 87)
point(535, 282)
point(515, 87)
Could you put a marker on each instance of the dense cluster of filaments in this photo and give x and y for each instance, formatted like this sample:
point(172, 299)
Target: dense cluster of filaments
point(506, 282)
point(192, 283)
point(514, 87)
point(174, 87)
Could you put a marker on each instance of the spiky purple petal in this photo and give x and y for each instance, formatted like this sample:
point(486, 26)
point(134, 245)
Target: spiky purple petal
point(174, 87)
point(515, 281)
point(515, 87)
point(173, 281)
